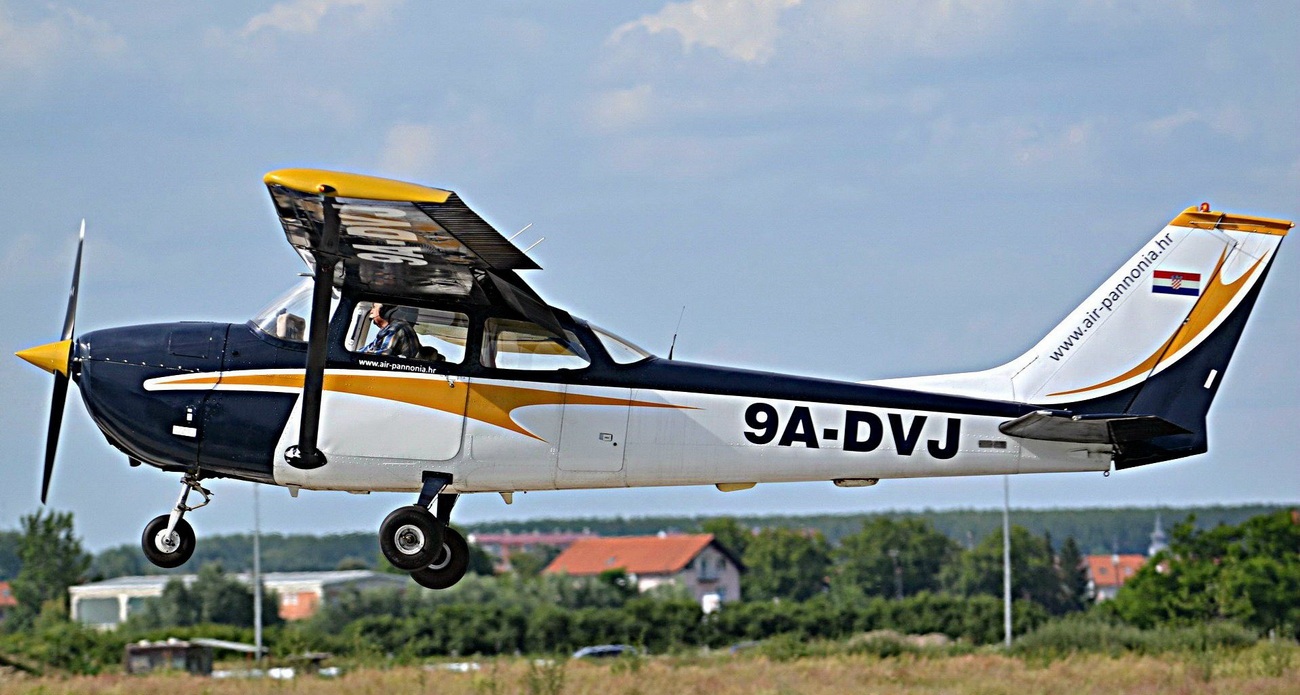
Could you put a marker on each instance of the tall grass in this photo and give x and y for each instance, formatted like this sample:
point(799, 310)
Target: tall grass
point(1092, 635)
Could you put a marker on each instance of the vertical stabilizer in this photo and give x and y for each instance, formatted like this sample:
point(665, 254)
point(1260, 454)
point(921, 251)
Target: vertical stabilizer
point(1154, 339)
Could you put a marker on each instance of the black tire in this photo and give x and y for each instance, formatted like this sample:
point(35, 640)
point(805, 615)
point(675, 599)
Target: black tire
point(409, 537)
point(163, 553)
point(450, 564)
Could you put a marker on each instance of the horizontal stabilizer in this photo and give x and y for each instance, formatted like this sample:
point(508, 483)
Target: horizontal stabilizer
point(1089, 429)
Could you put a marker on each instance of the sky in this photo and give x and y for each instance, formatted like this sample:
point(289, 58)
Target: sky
point(848, 189)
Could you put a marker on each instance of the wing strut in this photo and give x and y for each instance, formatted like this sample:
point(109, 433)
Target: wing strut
point(305, 455)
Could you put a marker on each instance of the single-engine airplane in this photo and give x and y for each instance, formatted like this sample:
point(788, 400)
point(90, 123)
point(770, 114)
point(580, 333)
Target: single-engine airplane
point(415, 358)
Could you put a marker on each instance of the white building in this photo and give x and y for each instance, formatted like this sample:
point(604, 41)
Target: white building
point(110, 602)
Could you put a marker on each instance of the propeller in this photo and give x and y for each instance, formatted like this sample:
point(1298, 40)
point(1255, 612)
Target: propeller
point(56, 358)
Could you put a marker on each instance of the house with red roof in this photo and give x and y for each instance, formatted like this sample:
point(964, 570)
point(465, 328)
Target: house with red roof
point(697, 562)
point(1107, 573)
point(7, 600)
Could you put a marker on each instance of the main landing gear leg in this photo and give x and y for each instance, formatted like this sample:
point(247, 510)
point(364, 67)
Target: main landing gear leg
point(417, 540)
point(168, 540)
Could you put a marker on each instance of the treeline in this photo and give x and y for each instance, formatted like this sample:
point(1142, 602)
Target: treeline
point(280, 553)
point(1095, 531)
point(886, 558)
point(1225, 585)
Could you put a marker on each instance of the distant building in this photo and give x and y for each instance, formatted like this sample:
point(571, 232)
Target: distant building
point(1107, 573)
point(502, 545)
point(110, 602)
point(7, 600)
point(710, 572)
point(1158, 539)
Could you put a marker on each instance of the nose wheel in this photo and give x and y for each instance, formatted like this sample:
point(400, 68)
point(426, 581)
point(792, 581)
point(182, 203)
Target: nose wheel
point(167, 548)
point(415, 539)
point(168, 540)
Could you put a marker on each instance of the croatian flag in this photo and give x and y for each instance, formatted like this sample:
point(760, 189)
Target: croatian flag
point(1176, 282)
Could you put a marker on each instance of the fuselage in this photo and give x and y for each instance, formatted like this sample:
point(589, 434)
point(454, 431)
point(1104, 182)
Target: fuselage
point(225, 398)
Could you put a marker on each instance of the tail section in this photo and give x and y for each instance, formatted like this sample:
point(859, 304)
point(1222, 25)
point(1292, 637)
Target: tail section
point(1152, 342)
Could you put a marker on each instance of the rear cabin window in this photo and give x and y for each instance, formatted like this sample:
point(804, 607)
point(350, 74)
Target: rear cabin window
point(511, 344)
point(411, 333)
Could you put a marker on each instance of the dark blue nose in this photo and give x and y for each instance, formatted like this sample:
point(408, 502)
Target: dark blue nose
point(112, 368)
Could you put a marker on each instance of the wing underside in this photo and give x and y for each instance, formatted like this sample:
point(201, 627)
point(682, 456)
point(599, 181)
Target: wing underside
point(404, 240)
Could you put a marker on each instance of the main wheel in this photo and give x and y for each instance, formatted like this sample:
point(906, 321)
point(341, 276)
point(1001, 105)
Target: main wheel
point(450, 564)
point(167, 550)
point(409, 537)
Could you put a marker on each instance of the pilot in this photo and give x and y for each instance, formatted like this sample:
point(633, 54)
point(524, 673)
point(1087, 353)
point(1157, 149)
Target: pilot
point(396, 338)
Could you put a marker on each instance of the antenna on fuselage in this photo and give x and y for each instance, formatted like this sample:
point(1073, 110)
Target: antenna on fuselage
point(675, 331)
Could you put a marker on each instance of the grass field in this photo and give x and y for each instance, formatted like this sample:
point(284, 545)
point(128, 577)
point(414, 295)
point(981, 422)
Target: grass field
point(1259, 670)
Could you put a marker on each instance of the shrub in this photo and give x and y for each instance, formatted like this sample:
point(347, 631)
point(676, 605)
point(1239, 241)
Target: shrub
point(1091, 634)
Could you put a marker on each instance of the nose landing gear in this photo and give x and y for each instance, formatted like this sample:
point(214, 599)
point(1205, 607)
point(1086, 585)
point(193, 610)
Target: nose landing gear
point(415, 539)
point(168, 540)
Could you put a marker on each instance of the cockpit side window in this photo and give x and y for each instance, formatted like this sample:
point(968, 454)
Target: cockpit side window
point(408, 332)
point(511, 344)
point(288, 317)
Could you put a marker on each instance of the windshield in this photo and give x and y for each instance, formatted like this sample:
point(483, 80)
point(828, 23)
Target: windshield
point(289, 315)
point(621, 351)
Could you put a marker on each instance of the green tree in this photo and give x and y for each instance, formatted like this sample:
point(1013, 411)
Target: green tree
point(52, 560)
point(786, 564)
point(530, 563)
point(481, 562)
point(875, 559)
point(1034, 576)
point(213, 597)
point(733, 535)
point(1249, 573)
point(1074, 577)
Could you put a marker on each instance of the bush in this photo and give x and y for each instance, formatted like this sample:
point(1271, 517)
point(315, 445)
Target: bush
point(66, 646)
point(1094, 635)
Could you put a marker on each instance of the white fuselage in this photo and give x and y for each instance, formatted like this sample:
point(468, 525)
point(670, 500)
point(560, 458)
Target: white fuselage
point(505, 435)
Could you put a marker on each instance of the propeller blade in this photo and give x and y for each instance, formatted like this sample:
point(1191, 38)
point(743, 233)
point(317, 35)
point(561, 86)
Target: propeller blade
point(70, 320)
point(57, 401)
point(60, 395)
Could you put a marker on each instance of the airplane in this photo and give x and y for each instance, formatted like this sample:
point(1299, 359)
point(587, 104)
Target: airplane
point(415, 358)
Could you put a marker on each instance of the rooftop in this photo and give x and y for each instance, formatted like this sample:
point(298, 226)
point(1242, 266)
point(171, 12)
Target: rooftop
point(1113, 570)
point(665, 554)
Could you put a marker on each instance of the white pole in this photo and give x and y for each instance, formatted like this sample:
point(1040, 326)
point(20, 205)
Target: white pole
point(1006, 558)
point(257, 576)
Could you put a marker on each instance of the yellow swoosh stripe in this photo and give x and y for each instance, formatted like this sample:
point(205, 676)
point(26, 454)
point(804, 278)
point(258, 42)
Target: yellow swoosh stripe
point(1215, 299)
point(491, 404)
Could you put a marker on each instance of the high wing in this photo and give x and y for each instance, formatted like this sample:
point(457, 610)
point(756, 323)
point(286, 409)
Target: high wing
point(404, 240)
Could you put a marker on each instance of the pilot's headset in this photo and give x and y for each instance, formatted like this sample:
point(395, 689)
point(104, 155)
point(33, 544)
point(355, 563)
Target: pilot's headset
point(389, 311)
point(400, 313)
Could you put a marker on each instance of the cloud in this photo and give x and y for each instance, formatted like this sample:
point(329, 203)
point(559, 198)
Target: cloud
point(940, 28)
point(410, 150)
point(745, 30)
point(1031, 146)
point(620, 109)
point(304, 16)
point(1229, 120)
point(34, 48)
